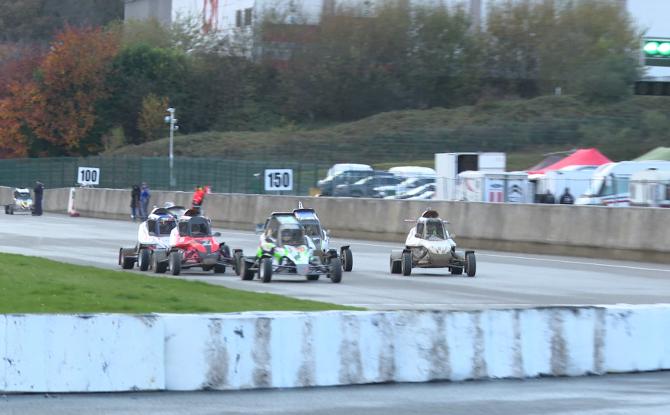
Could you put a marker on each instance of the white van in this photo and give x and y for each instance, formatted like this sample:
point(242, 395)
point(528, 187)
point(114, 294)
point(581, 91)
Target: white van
point(650, 188)
point(610, 182)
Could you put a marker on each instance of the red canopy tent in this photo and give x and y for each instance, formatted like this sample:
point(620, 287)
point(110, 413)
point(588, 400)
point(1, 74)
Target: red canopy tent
point(582, 157)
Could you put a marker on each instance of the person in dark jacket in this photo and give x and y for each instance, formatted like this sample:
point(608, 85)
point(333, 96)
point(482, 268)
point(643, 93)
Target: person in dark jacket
point(549, 198)
point(566, 198)
point(134, 202)
point(39, 192)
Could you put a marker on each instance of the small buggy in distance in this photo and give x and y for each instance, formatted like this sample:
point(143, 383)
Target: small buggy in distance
point(22, 202)
point(429, 245)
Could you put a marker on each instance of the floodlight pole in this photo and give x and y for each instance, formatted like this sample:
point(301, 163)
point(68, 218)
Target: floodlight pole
point(172, 121)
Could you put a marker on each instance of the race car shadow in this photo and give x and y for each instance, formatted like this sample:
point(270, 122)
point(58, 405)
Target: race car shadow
point(433, 275)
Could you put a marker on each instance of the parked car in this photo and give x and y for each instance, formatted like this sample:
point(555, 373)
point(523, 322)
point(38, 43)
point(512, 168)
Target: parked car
point(342, 174)
point(416, 192)
point(366, 187)
point(402, 187)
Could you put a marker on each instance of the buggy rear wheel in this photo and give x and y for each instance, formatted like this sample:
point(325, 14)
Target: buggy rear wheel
point(395, 266)
point(237, 260)
point(175, 263)
point(406, 263)
point(124, 261)
point(470, 264)
point(143, 259)
point(244, 270)
point(335, 273)
point(456, 270)
point(219, 269)
point(347, 259)
point(265, 270)
point(158, 267)
point(312, 277)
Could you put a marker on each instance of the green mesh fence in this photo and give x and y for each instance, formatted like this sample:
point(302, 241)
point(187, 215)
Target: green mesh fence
point(224, 176)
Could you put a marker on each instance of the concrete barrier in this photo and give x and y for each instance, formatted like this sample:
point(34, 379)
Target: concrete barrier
point(85, 353)
point(618, 233)
point(295, 349)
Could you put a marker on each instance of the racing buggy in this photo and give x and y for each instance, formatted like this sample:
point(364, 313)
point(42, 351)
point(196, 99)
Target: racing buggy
point(153, 235)
point(285, 249)
point(192, 245)
point(429, 245)
point(22, 202)
point(320, 237)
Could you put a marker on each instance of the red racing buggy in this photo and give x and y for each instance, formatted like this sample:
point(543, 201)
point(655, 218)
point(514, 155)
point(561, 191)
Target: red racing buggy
point(192, 245)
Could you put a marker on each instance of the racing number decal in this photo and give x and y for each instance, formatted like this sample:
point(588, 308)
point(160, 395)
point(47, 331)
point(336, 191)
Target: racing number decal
point(278, 179)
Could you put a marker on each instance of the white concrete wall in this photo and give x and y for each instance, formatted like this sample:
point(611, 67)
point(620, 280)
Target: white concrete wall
point(84, 353)
point(293, 349)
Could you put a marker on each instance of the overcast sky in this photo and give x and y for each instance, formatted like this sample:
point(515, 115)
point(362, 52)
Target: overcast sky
point(652, 15)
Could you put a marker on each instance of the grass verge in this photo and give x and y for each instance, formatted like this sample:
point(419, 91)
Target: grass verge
point(35, 285)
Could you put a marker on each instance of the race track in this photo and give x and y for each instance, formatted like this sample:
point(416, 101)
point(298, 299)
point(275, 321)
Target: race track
point(503, 279)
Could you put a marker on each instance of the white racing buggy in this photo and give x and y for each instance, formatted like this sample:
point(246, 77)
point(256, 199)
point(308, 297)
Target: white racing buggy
point(284, 249)
point(321, 239)
point(22, 202)
point(429, 245)
point(153, 235)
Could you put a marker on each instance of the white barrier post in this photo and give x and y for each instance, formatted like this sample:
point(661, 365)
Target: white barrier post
point(70, 204)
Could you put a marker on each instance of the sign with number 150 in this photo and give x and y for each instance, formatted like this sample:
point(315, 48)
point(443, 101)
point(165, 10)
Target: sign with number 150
point(278, 180)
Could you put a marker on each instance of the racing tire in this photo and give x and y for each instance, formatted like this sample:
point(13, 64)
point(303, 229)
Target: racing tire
point(11, 210)
point(312, 277)
point(406, 263)
point(347, 260)
point(335, 273)
point(219, 269)
point(395, 267)
point(143, 259)
point(265, 270)
point(158, 267)
point(207, 267)
point(470, 264)
point(237, 260)
point(6, 209)
point(124, 261)
point(456, 270)
point(175, 263)
point(245, 273)
point(225, 250)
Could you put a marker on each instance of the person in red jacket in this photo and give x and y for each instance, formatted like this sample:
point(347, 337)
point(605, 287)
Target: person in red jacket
point(199, 197)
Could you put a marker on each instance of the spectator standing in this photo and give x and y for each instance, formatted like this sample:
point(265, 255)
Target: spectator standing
point(566, 198)
point(135, 202)
point(549, 198)
point(145, 196)
point(39, 192)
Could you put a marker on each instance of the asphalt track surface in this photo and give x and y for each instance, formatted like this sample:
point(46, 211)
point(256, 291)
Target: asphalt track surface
point(503, 279)
point(638, 394)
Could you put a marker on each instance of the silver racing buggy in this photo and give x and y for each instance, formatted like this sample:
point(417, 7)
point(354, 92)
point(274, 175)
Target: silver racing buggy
point(321, 238)
point(22, 202)
point(429, 245)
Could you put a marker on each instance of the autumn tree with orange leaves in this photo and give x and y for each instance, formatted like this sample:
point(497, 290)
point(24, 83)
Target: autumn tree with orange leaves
point(55, 109)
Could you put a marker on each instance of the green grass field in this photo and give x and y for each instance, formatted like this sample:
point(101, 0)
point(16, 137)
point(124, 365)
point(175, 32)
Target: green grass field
point(35, 285)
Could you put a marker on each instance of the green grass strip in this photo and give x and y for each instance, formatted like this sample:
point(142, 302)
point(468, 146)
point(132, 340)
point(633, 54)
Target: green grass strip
point(36, 285)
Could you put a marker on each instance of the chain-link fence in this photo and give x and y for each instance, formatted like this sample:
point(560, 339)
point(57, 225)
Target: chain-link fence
point(224, 176)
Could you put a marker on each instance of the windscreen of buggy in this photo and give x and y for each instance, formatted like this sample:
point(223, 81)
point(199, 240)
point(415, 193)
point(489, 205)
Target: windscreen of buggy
point(435, 230)
point(165, 226)
point(21, 195)
point(292, 236)
point(199, 227)
point(313, 230)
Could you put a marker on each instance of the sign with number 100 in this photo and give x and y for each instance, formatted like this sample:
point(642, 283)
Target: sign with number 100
point(278, 180)
point(87, 176)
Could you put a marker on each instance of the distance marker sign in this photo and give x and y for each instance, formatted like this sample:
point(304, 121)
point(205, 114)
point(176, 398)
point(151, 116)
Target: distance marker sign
point(277, 180)
point(88, 176)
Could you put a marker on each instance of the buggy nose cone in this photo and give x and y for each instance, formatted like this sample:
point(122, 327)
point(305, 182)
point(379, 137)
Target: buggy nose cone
point(302, 269)
point(210, 259)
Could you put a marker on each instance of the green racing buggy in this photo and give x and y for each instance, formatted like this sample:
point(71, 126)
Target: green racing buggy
point(285, 249)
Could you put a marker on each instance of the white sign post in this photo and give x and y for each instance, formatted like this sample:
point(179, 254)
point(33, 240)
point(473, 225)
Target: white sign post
point(88, 176)
point(278, 180)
